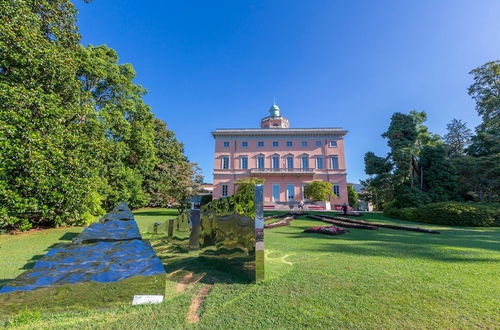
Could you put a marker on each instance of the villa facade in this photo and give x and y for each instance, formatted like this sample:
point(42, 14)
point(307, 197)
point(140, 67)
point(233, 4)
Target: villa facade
point(287, 158)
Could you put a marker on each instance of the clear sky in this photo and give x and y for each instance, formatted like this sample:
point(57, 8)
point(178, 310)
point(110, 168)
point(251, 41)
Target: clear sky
point(349, 64)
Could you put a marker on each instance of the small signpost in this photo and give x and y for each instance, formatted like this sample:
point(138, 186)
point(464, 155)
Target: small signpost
point(146, 299)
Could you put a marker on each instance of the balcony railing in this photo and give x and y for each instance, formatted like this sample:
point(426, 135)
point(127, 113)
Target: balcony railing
point(294, 171)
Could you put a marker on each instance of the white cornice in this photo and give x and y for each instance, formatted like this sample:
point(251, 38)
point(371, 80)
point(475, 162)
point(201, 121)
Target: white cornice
point(334, 131)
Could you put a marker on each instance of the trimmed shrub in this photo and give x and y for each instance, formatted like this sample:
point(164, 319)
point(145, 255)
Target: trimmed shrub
point(409, 213)
point(459, 214)
point(450, 213)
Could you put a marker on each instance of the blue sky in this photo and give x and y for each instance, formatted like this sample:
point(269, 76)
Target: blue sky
point(349, 64)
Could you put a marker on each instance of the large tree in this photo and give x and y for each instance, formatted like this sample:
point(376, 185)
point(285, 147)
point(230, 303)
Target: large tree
point(48, 176)
point(75, 134)
point(457, 138)
point(400, 178)
point(486, 92)
point(127, 123)
point(173, 176)
point(479, 171)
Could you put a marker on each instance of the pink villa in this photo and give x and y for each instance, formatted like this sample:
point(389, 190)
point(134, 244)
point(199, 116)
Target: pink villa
point(287, 158)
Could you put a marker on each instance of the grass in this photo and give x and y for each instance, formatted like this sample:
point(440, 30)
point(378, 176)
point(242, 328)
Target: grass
point(363, 279)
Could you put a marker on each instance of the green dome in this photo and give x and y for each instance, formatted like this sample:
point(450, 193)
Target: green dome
point(274, 111)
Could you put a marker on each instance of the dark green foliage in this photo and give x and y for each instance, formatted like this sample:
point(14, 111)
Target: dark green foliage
point(406, 213)
point(205, 199)
point(376, 165)
point(450, 213)
point(318, 190)
point(439, 175)
point(173, 174)
point(401, 138)
point(457, 138)
point(479, 177)
point(459, 214)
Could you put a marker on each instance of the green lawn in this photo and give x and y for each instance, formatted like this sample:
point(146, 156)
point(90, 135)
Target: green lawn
point(363, 279)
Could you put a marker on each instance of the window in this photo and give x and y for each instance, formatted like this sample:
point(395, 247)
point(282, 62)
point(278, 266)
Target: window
point(276, 144)
point(226, 144)
point(260, 162)
point(244, 144)
point(224, 190)
point(319, 163)
point(303, 143)
point(276, 192)
point(318, 144)
point(289, 162)
point(335, 162)
point(336, 190)
point(260, 144)
point(289, 143)
point(290, 191)
point(225, 162)
point(333, 144)
point(276, 161)
point(244, 162)
point(305, 161)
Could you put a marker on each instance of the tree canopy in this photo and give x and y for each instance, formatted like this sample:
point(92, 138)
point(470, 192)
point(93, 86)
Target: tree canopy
point(318, 190)
point(75, 134)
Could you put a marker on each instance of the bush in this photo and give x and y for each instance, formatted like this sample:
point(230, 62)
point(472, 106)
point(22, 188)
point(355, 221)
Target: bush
point(459, 214)
point(205, 199)
point(409, 213)
point(318, 190)
point(450, 213)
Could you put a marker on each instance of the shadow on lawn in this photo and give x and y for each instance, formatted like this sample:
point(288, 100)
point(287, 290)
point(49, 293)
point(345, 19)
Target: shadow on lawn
point(454, 244)
point(448, 246)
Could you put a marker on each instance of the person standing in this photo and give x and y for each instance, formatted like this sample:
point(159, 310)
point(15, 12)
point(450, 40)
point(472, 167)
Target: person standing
point(344, 208)
point(301, 206)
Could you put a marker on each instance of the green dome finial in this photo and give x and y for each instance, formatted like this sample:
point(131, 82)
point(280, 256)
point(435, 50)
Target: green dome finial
point(274, 111)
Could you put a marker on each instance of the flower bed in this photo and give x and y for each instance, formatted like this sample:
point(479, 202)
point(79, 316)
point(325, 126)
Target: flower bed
point(326, 230)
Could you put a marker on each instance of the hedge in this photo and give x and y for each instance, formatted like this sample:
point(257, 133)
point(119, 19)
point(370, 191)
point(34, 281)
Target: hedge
point(450, 213)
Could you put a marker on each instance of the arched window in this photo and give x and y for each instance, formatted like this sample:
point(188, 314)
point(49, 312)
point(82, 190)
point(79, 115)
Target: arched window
point(261, 161)
point(276, 161)
point(304, 160)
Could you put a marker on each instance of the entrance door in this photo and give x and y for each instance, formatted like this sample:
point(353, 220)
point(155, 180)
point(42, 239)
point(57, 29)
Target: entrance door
point(276, 192)
point(290, 191)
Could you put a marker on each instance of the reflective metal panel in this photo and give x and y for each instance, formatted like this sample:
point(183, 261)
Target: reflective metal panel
point(104, 252)
point(98, 262)
point(170, 232)
point(230, 240)
point(194, 235)
point(259, 232)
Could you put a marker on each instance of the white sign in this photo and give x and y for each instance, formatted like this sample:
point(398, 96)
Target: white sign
point(145, 299)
